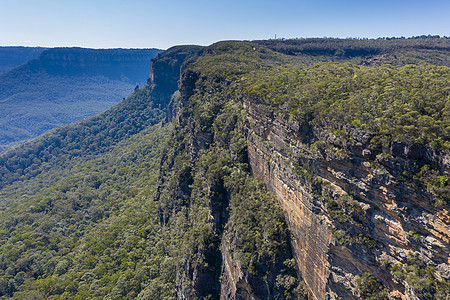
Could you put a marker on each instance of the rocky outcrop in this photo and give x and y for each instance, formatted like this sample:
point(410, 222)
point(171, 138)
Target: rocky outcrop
point(234, 285)
point(392, 211)
point(165, 72)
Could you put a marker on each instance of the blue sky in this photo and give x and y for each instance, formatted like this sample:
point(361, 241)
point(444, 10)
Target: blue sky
point(162, 24)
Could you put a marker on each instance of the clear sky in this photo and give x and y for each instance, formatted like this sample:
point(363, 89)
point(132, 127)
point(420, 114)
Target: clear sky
point(162, 24)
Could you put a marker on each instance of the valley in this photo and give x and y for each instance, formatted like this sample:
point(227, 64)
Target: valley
point(278, 169)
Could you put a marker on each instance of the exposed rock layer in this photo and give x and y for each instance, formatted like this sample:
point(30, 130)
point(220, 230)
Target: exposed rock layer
point(393, 209)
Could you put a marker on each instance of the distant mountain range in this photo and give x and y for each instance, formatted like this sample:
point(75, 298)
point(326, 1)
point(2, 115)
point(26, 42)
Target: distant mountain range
point(11, 57)
point(63, 85)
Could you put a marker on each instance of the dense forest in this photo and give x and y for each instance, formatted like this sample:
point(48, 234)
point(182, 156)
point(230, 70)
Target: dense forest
point(397, 51)
point(160, 197)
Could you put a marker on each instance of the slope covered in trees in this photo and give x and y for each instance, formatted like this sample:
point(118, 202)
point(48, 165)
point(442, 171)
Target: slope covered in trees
point(156, 198)
point(119, 152)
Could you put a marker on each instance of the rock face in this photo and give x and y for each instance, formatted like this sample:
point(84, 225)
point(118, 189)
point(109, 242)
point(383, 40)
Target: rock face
point(166, 69)
point(393, 211)
point(353, 209)
point(234, 285)
point(364, 221)
point(246, 252)
point(268, 156)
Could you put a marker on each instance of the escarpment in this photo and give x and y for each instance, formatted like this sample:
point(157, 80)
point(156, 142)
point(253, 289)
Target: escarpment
point(392, 220)
point(236, 243)
point(367, 212)
point(271, 146)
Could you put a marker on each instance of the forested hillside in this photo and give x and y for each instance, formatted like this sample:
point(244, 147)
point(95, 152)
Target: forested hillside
point(298, 169)
point(65, 85)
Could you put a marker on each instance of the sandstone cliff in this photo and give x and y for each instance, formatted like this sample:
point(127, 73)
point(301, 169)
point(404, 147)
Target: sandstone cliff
point(398, 220)
point(363, 219)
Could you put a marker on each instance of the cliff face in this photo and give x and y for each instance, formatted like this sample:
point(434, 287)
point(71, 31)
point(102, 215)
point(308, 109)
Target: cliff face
point(236, 242)
point(364, 219)
point(399, 219)
point(166, 69)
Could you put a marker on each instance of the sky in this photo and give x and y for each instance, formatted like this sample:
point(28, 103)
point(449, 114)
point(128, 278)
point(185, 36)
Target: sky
point(162, 24)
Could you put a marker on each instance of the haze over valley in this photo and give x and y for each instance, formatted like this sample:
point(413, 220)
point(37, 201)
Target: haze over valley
point(63, 85)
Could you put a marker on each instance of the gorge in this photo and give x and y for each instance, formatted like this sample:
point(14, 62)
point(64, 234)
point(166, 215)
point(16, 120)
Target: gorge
point(297, 169)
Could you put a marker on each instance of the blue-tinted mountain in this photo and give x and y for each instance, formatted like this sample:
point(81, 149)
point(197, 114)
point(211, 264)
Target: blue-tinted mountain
point(11, 57)
point(64, 85)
